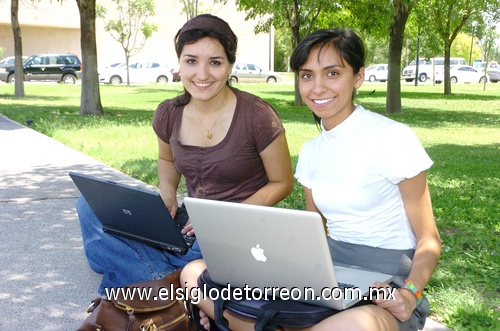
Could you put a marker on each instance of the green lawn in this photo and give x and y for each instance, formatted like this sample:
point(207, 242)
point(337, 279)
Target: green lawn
point(461, 133)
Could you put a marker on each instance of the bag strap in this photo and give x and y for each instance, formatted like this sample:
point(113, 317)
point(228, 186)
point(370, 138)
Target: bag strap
point(264, 321)
point(221, 322)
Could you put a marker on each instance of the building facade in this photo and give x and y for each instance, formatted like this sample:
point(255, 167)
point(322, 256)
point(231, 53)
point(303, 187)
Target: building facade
point(54, 27)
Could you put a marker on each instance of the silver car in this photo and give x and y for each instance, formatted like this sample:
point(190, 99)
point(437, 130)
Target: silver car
point(251, 73)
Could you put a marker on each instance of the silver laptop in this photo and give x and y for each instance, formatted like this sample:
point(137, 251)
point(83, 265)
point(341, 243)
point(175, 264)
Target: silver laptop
point(134, 213)
point(269, 249)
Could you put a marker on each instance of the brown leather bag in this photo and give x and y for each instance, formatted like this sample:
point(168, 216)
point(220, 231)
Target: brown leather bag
point(122, 314)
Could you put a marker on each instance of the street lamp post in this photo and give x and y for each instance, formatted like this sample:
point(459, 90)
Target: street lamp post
point(474, 24)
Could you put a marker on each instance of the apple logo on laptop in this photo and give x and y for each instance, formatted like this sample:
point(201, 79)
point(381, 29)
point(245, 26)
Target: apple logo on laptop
point(258, 253)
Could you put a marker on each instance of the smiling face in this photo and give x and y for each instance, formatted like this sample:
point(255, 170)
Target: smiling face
point(326, 84)
point(204, 68)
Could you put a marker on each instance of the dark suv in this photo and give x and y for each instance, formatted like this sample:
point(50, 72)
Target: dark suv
point(65, 68)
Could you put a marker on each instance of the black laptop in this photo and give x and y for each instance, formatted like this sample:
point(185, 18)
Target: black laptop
point(134, 213)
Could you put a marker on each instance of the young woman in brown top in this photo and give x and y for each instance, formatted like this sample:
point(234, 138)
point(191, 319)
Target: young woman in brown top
point(228, 144)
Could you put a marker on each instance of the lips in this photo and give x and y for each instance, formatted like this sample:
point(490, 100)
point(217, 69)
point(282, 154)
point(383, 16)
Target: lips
point(202, 84)
point(322, 101)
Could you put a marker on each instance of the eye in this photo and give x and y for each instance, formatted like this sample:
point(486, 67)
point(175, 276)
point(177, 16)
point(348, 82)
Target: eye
point(215, 63)
point(306, 76)
point(332, 73)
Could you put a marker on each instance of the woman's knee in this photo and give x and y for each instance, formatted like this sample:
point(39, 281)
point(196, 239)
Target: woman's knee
point(191, 272)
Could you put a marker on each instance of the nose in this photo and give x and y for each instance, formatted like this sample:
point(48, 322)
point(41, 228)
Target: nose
point(202, 72)
point(319, 86)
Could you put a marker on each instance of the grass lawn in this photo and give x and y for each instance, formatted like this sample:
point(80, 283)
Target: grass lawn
point(461, 133)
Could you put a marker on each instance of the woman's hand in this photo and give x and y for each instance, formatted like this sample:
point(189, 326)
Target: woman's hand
point(171, 204)
point(188, 229)
point(400, 303)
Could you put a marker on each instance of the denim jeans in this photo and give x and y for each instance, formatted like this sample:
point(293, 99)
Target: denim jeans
point(123, 261)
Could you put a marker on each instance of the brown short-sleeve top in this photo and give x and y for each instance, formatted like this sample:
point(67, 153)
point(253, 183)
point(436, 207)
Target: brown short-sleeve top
point(231, 170)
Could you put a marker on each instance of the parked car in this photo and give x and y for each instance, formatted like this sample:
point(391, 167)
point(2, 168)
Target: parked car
point(64, 68)
point(462, 74)
point(426, 68)
point(139, 72)
point(250, 73)
point(176, 75)
point(494, 75)
point(493, 70)
point(9, 61)
point(376, 72)
point(481, 65)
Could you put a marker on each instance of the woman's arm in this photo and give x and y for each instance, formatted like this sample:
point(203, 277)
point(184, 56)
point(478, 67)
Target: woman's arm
point(278, 166)
point(168, 176)
point(418, 206)
point(417, 202)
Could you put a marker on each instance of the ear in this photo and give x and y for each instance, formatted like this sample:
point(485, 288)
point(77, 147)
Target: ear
point(359, 78)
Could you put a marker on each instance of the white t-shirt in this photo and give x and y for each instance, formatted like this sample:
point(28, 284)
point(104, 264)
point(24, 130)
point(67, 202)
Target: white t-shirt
point(353, 171)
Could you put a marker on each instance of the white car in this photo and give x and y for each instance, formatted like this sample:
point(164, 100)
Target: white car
point(251, 73)
point(376, 72)
point(462, 74)
point(9, 61)
point(139, 71)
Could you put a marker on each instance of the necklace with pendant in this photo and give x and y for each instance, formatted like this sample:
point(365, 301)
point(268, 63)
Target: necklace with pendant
point(208, 133)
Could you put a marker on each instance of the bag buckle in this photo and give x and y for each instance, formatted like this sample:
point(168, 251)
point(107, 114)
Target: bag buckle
point(149, 326)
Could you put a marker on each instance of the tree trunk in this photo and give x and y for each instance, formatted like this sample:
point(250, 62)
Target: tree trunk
point(396, 32)
point(447, 81)
point(295, 42)
point(90, 102)
point(18, 49)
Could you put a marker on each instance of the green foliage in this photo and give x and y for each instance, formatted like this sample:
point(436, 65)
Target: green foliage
point(461, 47)
point(461, 133)
point(297, 16)
point(377, 50)
point(282, 49)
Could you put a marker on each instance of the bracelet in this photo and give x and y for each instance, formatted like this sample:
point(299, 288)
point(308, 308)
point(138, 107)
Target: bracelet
point(410, 286)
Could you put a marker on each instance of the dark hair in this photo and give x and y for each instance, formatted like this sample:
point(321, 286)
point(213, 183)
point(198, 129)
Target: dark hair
point(207, 25)
point(201, 26)
point(346, 42)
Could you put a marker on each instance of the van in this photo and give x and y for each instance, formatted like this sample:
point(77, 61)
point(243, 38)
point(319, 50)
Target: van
point(427, 68)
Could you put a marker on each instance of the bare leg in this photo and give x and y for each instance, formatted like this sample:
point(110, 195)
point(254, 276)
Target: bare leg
point(189, 279)
point(369, 318)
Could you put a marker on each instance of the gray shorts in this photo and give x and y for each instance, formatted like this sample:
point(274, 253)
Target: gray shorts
point(389, 261)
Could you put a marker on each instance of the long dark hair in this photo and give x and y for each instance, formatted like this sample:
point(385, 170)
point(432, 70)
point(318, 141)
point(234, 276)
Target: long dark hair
point(346, 42)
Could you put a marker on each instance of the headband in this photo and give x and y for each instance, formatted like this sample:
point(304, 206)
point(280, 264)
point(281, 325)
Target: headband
point(210, 23)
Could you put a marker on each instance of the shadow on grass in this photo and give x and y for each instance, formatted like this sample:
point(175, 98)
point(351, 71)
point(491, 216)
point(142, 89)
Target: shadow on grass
point(465, 189)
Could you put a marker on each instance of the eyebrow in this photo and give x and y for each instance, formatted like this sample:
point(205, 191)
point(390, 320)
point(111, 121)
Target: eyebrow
point(333, 66)
point(211, 58)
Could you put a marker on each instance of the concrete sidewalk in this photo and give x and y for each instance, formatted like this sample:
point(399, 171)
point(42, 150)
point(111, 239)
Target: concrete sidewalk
point(45, 280)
